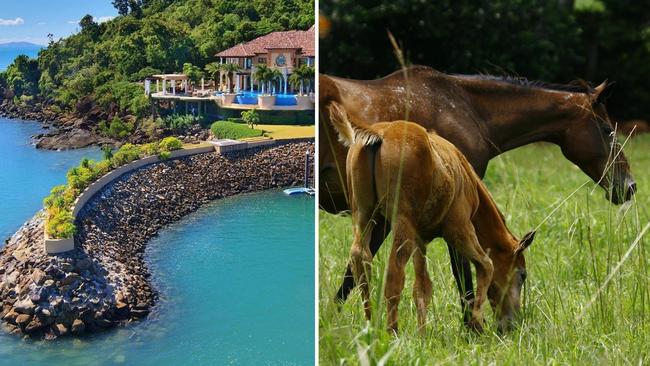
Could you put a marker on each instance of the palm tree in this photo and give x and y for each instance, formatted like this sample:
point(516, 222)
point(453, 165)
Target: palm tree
point(229, 69)
point(300, 75)
point(214, 70)
point(193, 73)
point(309, 74)
point(251, 117)
point(261, 74)
point(275, 75)
point(295, 79)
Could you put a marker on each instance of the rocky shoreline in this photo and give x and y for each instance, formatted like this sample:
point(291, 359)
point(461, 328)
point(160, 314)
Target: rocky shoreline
point(64, 131)
point(105, 281)
point(67, 131)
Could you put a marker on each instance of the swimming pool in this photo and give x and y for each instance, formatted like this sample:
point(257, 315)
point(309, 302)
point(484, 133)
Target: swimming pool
point(250, 98)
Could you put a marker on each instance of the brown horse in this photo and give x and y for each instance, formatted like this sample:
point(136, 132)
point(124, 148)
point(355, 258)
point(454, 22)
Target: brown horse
point(482, 116)
point(433, 192)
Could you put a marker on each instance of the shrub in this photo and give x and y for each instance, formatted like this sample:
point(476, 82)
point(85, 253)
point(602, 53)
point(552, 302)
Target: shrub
point(148, 126)
point(102, 167)
point(127, 95)
point(231, 130)
point(150, 149)
point(126, 154)
point(81, 176)
point(108, 152)
point(60, 224)
point(56, 109)
point(117, 129)
point(251, 117)
point(170, 144)
point(164, 155)
point(179, 122)
point(55, 199)
point(26, 99)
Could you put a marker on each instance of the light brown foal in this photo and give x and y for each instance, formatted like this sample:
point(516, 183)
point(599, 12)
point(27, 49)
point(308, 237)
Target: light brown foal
point(428, 188)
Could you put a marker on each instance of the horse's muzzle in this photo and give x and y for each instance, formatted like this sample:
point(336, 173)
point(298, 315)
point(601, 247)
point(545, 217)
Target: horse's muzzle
point(630, 189)
point(624, 193)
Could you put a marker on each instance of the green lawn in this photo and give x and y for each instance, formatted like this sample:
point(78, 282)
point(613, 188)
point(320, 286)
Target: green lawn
point(287, 131)
point(235, 131)
point(567, 320)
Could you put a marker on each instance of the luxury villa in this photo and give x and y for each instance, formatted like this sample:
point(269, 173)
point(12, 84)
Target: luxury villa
point(237, 88)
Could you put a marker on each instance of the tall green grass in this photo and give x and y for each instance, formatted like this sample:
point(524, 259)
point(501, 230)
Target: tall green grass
point(586, 299)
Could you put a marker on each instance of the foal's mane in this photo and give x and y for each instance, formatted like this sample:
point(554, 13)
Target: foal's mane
point(495, 218)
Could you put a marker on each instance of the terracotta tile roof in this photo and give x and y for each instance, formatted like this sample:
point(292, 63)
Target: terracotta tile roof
point(302, 40)
point(239, 50)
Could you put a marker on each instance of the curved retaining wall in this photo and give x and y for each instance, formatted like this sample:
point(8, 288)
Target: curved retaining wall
point(105, 280)
point(57, 246)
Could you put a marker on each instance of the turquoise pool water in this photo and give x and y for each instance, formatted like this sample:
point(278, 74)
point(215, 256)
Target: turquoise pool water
point(236, 287)
point(251, 98)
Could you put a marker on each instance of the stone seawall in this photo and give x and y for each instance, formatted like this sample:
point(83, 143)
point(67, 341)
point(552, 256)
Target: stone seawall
point(105, 281)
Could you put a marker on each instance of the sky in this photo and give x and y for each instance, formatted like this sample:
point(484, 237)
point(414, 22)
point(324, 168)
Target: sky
point(32, 20)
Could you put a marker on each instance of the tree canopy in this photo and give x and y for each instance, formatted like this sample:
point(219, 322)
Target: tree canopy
point(103, 61)
point(556, 41)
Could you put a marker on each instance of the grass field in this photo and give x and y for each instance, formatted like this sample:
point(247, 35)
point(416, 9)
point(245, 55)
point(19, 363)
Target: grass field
point(586, 299)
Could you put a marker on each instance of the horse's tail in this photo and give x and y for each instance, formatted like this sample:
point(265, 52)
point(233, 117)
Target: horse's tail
point(350, 131)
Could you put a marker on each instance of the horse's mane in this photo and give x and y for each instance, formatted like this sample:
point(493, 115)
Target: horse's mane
point(576, 86)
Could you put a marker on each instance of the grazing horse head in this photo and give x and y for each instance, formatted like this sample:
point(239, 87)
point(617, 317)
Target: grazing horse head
point(590, 142)
point(504, 292)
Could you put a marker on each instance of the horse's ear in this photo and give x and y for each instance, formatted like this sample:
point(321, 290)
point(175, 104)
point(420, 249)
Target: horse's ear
point(525, 242)
point(598, 91)
point(341, 123)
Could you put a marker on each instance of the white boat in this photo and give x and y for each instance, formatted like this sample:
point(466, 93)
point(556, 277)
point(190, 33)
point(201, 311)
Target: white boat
point(300, 190)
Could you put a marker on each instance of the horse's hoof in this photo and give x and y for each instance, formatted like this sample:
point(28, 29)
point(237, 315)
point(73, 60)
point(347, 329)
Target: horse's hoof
point(393, 331)
point(475, 325)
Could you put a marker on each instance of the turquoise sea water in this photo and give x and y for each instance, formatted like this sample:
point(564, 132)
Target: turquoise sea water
point(236, 286)
point(28, 174)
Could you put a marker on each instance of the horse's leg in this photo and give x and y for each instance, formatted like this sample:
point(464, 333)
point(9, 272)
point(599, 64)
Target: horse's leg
point(460, 233)
point(379, 234)
point(403, 244)
point(422, 287)
point(360, 257)
point(463, 275)
point(362, 204)
point(460, 266)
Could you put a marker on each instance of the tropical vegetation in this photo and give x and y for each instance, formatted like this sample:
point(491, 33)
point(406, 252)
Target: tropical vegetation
point(229, 69)
point(251, 117)
point(59, 221)
point(301, 76)
point(102, 65)
point(179, 122)
point(263, 74)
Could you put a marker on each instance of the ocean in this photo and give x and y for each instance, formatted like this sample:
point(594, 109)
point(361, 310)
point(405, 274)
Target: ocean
point(9, 52)
point(236, 278)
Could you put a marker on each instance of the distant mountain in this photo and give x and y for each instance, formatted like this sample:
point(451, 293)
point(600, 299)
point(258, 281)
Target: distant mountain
point(9, 51)
point(20, 46)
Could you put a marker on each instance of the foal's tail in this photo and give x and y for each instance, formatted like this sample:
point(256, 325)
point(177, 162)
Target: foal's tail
point(352, 132)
